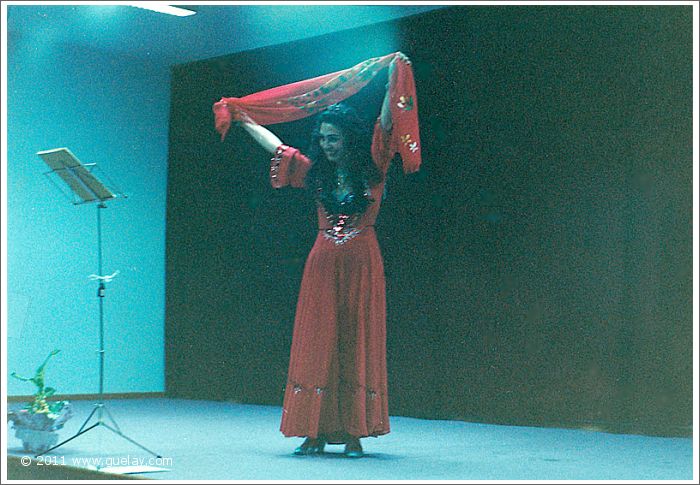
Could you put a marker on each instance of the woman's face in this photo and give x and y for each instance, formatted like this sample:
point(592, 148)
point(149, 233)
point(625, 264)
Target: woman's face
point(332, 142)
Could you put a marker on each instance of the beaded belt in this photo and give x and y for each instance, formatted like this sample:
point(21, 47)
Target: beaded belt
point(342, 229)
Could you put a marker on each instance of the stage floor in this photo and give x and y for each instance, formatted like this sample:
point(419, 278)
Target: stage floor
point(205, 440)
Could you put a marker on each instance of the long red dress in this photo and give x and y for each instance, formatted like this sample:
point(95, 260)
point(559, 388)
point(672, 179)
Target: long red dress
point(337, 380)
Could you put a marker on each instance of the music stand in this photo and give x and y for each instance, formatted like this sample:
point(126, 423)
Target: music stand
point(88, 189)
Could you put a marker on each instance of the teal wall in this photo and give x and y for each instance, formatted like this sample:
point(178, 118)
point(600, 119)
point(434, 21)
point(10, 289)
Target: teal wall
point(112, 111)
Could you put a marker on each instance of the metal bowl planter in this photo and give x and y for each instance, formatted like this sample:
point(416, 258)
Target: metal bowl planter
point(38, 430)
point(37, 422)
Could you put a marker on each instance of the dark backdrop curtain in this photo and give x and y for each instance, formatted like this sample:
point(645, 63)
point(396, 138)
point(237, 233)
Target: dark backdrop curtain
point(539, 266)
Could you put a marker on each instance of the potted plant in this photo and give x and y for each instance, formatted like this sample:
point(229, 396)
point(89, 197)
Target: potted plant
point(37, 422)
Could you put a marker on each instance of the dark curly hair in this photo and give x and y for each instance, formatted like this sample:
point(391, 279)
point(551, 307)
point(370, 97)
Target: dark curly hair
point(363, 172)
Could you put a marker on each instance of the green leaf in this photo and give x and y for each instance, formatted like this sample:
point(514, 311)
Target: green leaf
point(14, 374)
point(55, 407)
point(38, 378)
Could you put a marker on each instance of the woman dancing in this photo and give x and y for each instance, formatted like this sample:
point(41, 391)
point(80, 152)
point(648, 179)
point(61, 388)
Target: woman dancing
point(336, 390)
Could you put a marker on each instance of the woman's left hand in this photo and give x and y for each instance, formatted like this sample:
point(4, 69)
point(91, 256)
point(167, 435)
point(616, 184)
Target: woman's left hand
point(392, 65)
point(401, 56)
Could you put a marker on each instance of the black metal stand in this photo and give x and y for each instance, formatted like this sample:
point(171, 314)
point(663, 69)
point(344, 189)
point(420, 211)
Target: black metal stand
point(100, 409)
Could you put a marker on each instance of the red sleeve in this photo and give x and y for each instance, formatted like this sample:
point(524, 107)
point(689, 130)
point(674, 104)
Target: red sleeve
point(288, 167)
point(383, 147)
point(404, 117)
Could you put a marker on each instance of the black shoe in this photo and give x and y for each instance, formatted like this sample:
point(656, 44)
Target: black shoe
point(353, 449)
point(310, 446)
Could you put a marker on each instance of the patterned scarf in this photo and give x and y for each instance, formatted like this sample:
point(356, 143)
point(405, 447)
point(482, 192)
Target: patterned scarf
point(305, 98)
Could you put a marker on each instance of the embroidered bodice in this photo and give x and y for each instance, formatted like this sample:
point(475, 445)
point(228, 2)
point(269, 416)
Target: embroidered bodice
point(338, 219)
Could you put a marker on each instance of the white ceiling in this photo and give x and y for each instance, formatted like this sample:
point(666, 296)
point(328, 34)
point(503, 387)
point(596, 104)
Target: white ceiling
point(216, 30)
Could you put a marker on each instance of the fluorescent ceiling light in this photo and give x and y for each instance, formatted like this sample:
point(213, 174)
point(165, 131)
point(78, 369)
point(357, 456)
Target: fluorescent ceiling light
point(163, 8)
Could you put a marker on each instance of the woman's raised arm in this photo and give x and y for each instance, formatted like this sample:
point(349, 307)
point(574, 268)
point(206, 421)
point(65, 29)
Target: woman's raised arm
point(267, 140)
point(385, 115)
